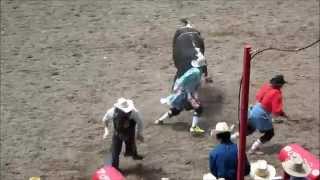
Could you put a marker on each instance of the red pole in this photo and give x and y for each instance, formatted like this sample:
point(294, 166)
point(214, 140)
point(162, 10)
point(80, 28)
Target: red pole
point(244, 111)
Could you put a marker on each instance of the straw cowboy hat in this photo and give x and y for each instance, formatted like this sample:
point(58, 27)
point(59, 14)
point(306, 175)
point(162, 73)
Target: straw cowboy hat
point(125, 105)
point(261, 170)
point(296, 166)
point(221, 127)
point(199, 62)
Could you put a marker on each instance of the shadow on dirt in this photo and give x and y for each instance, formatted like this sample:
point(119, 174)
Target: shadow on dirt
point(180, 126)
point(212, 101)
point(272, 149)
point(145, 172)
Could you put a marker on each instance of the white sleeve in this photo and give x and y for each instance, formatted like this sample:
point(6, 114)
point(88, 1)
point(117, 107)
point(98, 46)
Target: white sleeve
point(108, 116)
point(136, 116)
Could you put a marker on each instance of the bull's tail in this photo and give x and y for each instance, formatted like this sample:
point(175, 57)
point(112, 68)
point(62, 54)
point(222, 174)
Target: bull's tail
point(186, 22)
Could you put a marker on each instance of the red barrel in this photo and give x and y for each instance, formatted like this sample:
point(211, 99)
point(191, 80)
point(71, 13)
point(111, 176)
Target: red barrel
point(311, 159)
point(107, 173)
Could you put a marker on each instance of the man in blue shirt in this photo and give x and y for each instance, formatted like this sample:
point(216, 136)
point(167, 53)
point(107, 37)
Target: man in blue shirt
point(223, 158)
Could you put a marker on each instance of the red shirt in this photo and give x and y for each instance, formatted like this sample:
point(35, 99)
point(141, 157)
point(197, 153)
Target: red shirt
point(270, 99)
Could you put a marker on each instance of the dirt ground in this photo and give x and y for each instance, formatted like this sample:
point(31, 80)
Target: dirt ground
point(64, 63)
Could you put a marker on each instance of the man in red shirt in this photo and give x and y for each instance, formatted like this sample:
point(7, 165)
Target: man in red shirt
point(269, 103)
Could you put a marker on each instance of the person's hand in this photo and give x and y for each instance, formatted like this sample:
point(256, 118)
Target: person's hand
point(208, 79)
point(285, 116)
point(106, 132)
point(194, 103)
point(176, 87)
point(288, 118)
point(140, 138)
point(212, 132)
point(232, 127)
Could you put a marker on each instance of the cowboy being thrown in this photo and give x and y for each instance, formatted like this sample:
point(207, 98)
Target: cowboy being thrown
point(185, 94)
point(125, 117)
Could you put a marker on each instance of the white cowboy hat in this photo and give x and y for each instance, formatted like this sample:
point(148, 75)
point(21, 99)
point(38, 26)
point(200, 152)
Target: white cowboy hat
point(210, 176)
point(261, 170)
point(125, 105)
point(296, 166)
point(221, 127)
point(199, 62)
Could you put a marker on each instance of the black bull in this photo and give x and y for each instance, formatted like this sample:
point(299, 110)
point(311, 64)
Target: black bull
point(185, 41)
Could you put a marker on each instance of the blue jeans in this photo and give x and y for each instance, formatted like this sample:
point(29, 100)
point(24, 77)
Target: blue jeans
point(260, 119)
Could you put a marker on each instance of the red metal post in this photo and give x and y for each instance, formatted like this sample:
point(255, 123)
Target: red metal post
point(244, 111)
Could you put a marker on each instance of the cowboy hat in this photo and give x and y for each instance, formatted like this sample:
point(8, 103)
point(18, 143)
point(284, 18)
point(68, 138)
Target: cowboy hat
point(221, 127)
point(296, 166)
point(199, 62)
point(125, 105)
point(278, 80)
point(261, 170)
point(210, 176)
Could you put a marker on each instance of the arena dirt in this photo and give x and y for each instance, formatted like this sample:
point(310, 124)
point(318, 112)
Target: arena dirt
point(64, 63)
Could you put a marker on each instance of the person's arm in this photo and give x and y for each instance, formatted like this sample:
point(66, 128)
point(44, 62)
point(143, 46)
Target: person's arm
point(136, 116)
point(277, 106)
point(262, 91)
point(212, 164)
point(194, 99)
point(106, 118)
point(207, 78)
point(177, 86)
point(196, 95)
point(205, 71)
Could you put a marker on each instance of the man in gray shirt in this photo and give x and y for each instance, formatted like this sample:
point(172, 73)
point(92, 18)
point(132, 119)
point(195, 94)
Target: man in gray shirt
point(125, 117)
